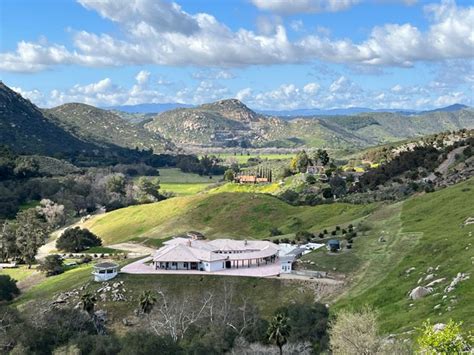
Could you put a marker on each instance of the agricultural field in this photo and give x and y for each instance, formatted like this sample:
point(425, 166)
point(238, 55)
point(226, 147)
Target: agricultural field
point(184, 184)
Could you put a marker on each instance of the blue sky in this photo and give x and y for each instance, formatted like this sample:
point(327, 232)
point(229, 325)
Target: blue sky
point(271, 54)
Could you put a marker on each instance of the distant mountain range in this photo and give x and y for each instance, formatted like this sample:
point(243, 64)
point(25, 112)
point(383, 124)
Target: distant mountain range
point(159, 108)
point(227, 123)
point(354, 111)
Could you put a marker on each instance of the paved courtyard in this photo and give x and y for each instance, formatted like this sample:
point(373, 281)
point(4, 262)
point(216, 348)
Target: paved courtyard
point(140, 267)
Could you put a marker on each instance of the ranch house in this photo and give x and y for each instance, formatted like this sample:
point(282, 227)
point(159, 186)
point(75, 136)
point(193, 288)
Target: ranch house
point(214, 255)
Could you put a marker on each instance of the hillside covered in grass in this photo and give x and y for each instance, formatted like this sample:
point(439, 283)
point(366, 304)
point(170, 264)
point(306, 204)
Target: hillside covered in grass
point(425, 240)
point(237, 215)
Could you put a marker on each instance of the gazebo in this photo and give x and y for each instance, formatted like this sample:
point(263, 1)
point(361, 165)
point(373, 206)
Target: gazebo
point(105, 271)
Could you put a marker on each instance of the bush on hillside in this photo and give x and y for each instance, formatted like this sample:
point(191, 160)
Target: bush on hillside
point(75, 240)
point(52, 265)
point(8, 288)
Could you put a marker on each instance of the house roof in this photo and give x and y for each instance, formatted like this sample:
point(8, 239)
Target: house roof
point(186, 250)
point(105, 265)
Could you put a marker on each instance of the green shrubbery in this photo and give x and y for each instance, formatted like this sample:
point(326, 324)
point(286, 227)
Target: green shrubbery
point(75, 240)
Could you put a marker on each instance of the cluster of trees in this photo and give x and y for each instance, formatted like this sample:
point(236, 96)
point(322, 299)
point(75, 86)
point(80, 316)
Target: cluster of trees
point(302, 160)
point(105, 182)
point(178, 325)
point(80, 194)
point(411, 161)
point(206, 165)
point(21, 238)
point(215, 325)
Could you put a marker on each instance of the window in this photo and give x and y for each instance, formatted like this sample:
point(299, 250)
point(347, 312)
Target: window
point(185, 265)
point(173, 263)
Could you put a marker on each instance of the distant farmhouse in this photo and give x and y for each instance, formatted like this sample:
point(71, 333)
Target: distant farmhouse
point(215, 255)
point(261, 175)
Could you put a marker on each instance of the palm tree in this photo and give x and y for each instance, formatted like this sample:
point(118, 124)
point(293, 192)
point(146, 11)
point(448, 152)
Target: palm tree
point(146, 301)
point(88, 302)
point(279, 331)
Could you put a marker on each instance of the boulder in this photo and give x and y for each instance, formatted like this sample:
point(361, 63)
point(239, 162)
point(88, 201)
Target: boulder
point(420, 292)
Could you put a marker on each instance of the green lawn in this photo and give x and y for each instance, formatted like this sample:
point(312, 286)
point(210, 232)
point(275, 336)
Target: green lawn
point(175, 176)
point(184, 184)
point(19, 273)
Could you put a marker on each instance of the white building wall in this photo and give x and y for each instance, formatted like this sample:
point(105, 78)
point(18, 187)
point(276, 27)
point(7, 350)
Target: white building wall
point(285, 267)
point(101, 277)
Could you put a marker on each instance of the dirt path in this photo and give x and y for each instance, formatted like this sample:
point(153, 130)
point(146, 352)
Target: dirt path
point(444, 166)
point(138, 249)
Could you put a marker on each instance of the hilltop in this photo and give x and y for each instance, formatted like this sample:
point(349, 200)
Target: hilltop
point(237, 215)
point(25, 128)
point(105, 127)
point(229, 123)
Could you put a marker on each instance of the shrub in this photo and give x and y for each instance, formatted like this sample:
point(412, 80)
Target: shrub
point(274, 231)
point(77, 239)
point(8, 288)
point(448, 340)
point(52, 265)
point(304, 236)
point(311, 179)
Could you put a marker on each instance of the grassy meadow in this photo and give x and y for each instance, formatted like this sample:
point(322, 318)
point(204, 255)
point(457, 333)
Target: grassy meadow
point(423, 232)
point(184, 184)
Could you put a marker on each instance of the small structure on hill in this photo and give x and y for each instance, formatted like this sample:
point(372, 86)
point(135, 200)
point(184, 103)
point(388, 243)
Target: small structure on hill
point(195, 235)
point(315, 169)
point(261, 175)
point(105, 271)
point(334, 245)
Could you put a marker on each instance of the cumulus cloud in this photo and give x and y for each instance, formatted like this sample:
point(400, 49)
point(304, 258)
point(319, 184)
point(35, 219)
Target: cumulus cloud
point(159, 32)
point(290, 7)
point(142, 77)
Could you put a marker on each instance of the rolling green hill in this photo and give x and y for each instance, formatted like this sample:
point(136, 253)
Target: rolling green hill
point(425, 234)
point(227, 214)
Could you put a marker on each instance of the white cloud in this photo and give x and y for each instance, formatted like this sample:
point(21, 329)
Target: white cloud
point(158, 32)
point(297, 25)
point(243, 94)
point(311, 88)
point(142, 77)
point(290, 7)
point(213, 74)
point(32, 95)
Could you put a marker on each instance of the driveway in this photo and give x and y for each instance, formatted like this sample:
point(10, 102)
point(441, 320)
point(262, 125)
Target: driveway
point(139, 267)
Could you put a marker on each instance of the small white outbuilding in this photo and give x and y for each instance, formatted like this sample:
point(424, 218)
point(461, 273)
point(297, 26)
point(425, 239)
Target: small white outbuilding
point(105, 271)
